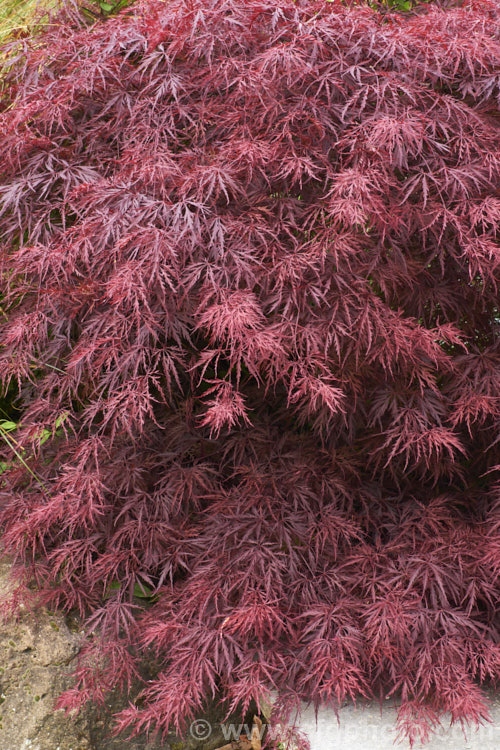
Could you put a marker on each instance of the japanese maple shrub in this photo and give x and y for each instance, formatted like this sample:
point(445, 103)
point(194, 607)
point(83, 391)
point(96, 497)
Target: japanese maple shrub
point(250, 284)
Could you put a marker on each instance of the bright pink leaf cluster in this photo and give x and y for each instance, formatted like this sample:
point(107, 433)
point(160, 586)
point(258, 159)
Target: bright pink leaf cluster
point(250, 266)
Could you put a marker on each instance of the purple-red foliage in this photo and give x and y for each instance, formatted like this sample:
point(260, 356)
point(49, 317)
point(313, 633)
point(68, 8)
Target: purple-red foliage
point(250, 262)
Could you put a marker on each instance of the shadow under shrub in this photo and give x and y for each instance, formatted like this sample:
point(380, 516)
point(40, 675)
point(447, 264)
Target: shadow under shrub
point(250, 273)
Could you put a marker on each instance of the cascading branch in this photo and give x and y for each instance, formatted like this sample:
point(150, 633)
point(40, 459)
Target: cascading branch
point(250, 270)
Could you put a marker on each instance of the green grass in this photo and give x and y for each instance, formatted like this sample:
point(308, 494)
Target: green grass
point(18, 17)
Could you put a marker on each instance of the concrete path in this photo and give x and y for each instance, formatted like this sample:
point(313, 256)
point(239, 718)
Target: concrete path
point(370, 729)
